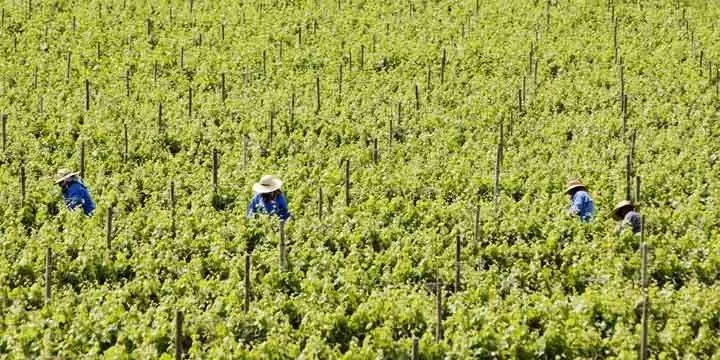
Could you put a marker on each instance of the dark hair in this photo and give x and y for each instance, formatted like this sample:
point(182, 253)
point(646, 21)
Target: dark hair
point(271, 195)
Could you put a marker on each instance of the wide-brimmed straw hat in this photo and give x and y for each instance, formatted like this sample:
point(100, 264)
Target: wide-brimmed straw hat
point(267, 184)
point(621, 205)
point(574, 184)
point(64, 174)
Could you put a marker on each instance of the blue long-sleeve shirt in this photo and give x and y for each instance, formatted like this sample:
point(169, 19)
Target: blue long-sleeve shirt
point(76, 194)
point(277, 207)
point(582, 205)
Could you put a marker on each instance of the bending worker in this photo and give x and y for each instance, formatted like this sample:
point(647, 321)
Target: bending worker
point(581, 204)
point(268, 198)
point(625, 212)
point(75, 193)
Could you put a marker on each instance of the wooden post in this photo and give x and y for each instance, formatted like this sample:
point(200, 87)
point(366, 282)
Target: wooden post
point(390, 131)
point(530, 58)
point(458, 248)
point(428, 81)
point(439, 313)
point(317, 95)
point(624, 114)
point(477, 224)
point(417, 98)
point(215, 170)
point(615, 41)
point(82, 159)
point(173, 202)
point(190, 98)
point(627, 177)
point(48, 275)
point(442, 67)
point(376, 156)
point(498, 161)
point(362, 56)
point(127, 82)
point(340, 80)
point(415, 355)
point(520, 101)
point(320, 203)
point(283, 250)
point(87, 95)
point(97, 50)
point(125, 143)
point(637, 191)
point(3, 119)
point(179, 351)
point(633, 138)
point(67, 66)
point(182, 58)
point(160, 115)
point(246, 283)
point(109, 228)
point(22, 183)
point(264, 63)
point(399, 113)
point(222, 87)
point(535, 68)
point(347, 182)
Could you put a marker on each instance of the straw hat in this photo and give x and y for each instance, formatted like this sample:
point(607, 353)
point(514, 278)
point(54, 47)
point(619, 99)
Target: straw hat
point(574, 184)
point(621, 205)
point(64, 174)
point(267, 184)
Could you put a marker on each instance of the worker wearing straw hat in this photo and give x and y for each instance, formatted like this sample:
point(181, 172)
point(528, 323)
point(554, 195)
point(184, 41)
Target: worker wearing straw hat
point(581, 204)
point(268, 198)
point(625, 212)
point(75, 193)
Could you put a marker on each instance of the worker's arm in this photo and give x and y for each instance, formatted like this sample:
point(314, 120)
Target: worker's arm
point(575, 205)
point(251, 206)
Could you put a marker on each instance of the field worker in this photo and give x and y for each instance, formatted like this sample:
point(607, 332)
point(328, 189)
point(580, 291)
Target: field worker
point(581, 205)
point(75, 193)
point(625, 212)
point(268, 198)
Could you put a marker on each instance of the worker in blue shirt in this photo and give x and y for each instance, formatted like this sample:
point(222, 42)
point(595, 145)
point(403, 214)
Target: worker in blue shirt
point(75, 193)
point(581, 204)
point(268, 198)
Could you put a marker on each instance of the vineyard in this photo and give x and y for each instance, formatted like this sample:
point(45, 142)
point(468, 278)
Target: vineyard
point(424, 146)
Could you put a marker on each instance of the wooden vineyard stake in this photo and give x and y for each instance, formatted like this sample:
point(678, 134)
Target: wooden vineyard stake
point(399, 113)
point(615, 41)
point(125, 143)
point(644, 282)
point(621, 70)
point(535, 68)
point(222, 32)
point(627, 177)
point(109, 228)
point(520, 101)
point(82, 159)
point(428, 80)
point(637, 191)
point(127, 83)
point(190, 102)
point(362, 57)
point(417, 98)
point(443, 60)
point(292, 112)
point(524, 91)
point(264, 63)
point(97, 50)
point(340, 81)
point(148, 25)
point(376, 156)
point(547, 13)
point(179, 351)
point(320, 203)
point(48, 275)
point(624, 114)
point(458, 248)
point(191, 6)
point(215, 165)
point(530, 58)
point(87, 95)
point(182, 58)
point(246, 282)
point(40, 105)
point(477, 224)
point(633, 139)
point(3, 119)
point(173, 203)
point(283, 250)
point(439, 312)
point(498, 161)
point(299, 36)
point(347, 182)
point(415, 354)
point(317, 95)
point(702, 56)
point(22, 184)
point(390, 131)
point(160, 118)
point(67, 66)
point(222, 87)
